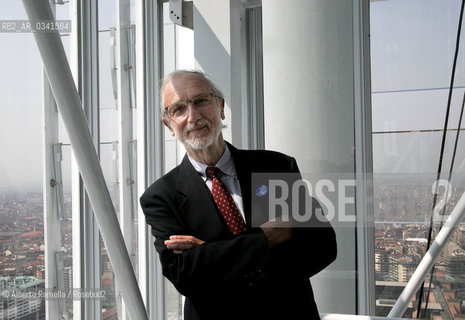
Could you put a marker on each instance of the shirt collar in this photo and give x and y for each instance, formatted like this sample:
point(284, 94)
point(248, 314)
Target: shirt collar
point(225, 164)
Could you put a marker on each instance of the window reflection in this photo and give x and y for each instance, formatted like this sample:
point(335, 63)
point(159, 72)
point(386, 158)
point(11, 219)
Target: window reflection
point(412, 48)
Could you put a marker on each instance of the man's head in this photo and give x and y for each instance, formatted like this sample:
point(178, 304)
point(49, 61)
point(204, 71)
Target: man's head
point(192, 108)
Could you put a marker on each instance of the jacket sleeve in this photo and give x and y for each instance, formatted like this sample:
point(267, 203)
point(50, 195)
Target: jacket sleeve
point(312, 247)
point(310, 250)
point(209, 267)
point(239, 260)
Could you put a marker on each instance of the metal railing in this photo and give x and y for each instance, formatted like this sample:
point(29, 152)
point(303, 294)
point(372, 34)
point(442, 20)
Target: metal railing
point(428, 260)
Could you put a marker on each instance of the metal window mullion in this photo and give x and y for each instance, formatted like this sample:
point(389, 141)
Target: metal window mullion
point(363, 161)
point(140, 7)
point(77, 223)
point(125, 123)
point(57, 181)
point(245, 75)
point(113, 67)
point(132, 64)
point(60, 213)
point(59, 265)
point(155, 141)
point(52, 230)
point(132, 156)
point(149, 23)
point(89, 91)
point(259, 113)
point(254, 80)
point(235, 41)
point(154, 68)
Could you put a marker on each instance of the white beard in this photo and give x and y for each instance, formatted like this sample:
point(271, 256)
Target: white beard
point(199, 143)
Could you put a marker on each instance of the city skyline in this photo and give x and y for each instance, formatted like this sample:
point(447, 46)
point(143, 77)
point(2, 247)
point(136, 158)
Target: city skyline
point(398, 250)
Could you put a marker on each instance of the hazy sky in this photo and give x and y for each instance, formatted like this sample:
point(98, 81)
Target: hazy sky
point(412, 50)
point(21, 98)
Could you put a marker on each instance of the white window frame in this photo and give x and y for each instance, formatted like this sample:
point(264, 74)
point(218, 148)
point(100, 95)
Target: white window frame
point(150, 164)
point(363, 160)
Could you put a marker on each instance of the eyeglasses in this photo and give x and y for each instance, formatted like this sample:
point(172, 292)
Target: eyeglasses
point(200, 102)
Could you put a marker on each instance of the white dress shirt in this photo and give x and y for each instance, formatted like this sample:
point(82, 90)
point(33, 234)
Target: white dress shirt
point(227, 175)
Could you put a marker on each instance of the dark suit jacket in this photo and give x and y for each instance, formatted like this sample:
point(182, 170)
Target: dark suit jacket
point(234, 277)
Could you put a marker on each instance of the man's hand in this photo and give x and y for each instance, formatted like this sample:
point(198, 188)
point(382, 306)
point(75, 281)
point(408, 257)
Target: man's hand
point(180, 243)
point(276, 232)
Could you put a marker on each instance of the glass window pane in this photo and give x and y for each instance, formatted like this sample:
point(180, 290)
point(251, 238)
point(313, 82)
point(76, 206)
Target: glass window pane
point(178, 45)
point(108, 118)
point(114, 152)
point(22, 263)
point(412, 50)
point(66, 230)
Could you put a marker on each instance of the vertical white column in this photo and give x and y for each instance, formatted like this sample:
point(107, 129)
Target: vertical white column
point(77, 234)
point(308, 67)
point(89, 85)
point(123, 23)
point(364, 160)
point(217, 49)
point(149, 39)
point(141, 162)
point(52, 230)
point(174, 150)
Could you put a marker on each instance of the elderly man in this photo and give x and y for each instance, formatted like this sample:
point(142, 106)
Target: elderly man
point(201, 212)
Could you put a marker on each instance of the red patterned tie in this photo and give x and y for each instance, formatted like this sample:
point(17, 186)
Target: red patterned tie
point(225, 203)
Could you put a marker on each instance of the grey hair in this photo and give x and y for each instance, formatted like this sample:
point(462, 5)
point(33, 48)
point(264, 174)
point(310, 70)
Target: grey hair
point(215, 90)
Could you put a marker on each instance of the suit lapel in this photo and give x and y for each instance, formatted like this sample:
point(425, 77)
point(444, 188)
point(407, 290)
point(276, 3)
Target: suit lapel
point(197, 206)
